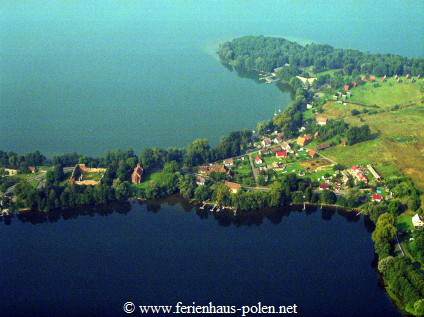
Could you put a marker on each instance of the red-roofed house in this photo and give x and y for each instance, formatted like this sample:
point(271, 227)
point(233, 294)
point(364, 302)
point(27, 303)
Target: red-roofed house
point(312, 154)
point(354, 84)
point(324, 186)
point(258, 160)
point(372, 79)
point(281, 154)
point(233, 186)
point(377, 197)
point(346, 87)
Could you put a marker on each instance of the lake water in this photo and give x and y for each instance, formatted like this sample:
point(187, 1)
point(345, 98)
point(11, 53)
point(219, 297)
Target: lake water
point(91, 76)
point(92, 262)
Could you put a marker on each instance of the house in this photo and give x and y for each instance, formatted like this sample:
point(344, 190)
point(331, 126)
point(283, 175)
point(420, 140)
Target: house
point(278, 139)
point(285, 146)
point(323, 146)
point(233, 186)
point(207, 170)
point(203, 169)
point(354, 84)
point(308, 106)
point(137, 174)
point(316, 135)
point(263, 152)
point(32, 169)
point(200, 180)
point(258, 160)
point(335, 98)
point(324, 186)
point(301, 141)
point(276, 149)
point(346, 87)
point(302, 129)
point(11, 171)
point(358, 174)
point(229, 162)
point(407, 76)
point(417, 222)
point(344, 97)
point(312, 153)
point(217, 169)
point(345, 176)
point(372, 79)
point(281, 154)
point(321, 121)
point(266, 142)
point(377, 198)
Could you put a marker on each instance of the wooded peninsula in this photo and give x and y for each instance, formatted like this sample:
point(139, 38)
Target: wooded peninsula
point(352, 137)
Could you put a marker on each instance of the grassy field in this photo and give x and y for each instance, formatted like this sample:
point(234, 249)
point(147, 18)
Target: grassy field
point(404, 221)
point(389, 93)
point(149, 177)
point(243, 168)
point(398, 144)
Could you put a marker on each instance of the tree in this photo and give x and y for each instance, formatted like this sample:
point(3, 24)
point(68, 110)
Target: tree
point(187, 185)
point(384, 234)
point(198, 152)
point(223, 195)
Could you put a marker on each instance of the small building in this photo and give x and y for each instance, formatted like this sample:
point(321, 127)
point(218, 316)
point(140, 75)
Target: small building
point(324, 186)
point(285, 146)
point(335, 98)
point(316, 135)
point(11, 171)
point(417, 222)
point(344, 97)
point(374, 173)
point(407, 76)
point(323, 146)
point(348, 94)
point(301, 141)
point(321, 120)
point(32, 169)
point(200, 180)
point(233, 186)
point(346, 87)
point(372, 79)
point(281, 154)
point(266, 142)
point(229, 162)
point(258, 160)
point(354, 84)
point(308, 137)
point(137, 174)
point(218, 168)
point(376, 197)
point(278, 139)
point(312, 153)
point(308, 106)
point(276, 149)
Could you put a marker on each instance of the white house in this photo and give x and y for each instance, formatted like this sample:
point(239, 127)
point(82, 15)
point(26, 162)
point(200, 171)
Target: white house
point(417, 222)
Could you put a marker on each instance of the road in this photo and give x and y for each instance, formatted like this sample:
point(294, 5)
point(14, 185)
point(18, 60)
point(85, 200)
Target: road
point(255, 170)
point(39, 177)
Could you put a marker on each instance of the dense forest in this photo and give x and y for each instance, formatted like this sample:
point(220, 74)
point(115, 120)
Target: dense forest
point(267, 53)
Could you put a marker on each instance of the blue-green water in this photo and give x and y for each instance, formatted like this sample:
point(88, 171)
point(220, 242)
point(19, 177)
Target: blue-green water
point(89, 76)
point(89, 263)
